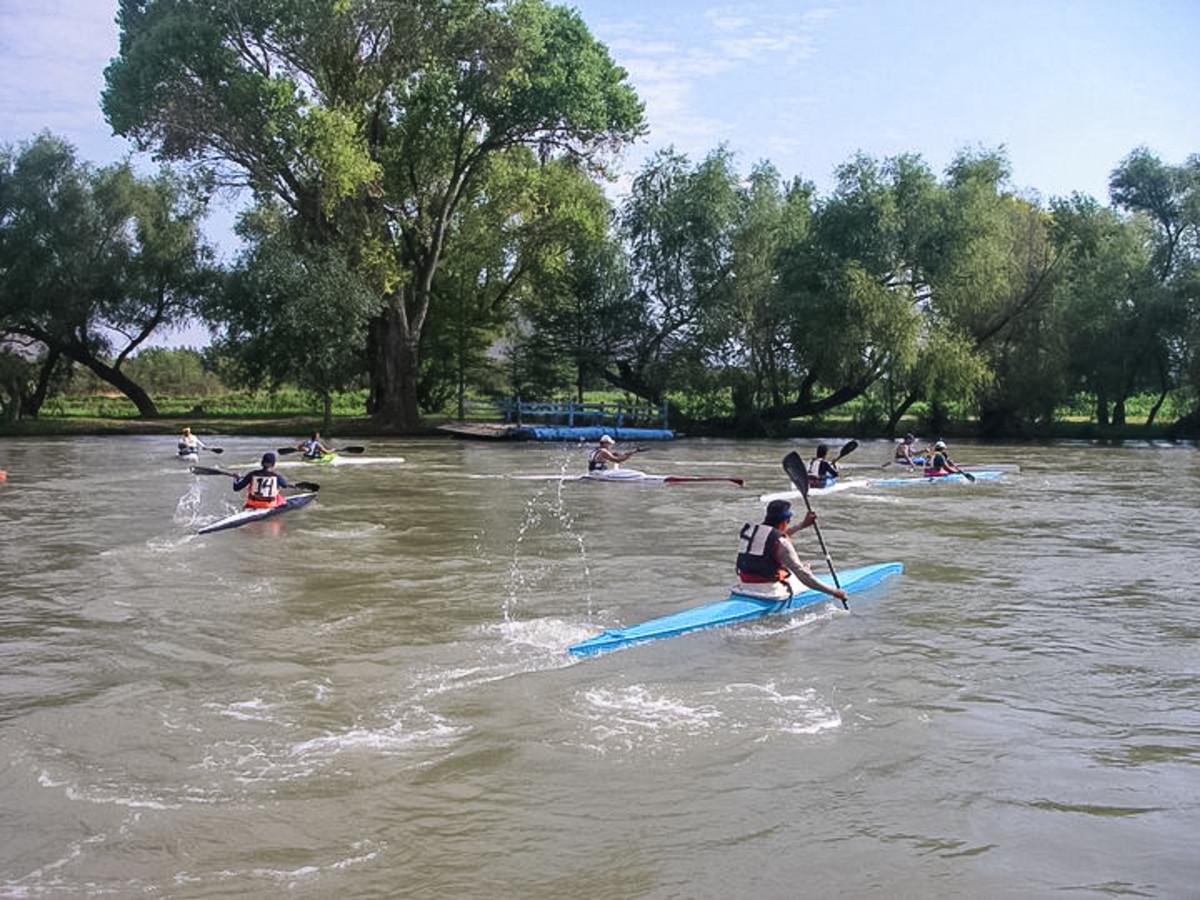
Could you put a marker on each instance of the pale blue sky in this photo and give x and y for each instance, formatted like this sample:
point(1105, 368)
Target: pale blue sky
point(1069, 87)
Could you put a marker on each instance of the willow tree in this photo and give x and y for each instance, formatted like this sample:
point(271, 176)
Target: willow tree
point(373, 121)
point(93, 262)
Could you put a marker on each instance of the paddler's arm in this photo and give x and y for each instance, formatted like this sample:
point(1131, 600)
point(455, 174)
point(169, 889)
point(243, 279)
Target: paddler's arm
point(787, 557)
point(809, 519)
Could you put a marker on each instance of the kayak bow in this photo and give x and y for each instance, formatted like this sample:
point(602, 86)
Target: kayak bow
point(737, 608)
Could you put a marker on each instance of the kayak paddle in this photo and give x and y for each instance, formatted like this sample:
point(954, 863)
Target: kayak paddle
point(798, 473)
point(847, 449)
point(206, 470)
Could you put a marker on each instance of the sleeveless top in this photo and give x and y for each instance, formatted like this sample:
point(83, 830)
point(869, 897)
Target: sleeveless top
point(756, 554)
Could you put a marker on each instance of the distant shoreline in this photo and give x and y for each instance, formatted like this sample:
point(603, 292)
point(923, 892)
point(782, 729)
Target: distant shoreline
point(361, 427)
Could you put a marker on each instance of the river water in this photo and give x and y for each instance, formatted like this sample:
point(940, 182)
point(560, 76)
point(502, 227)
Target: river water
point(371, 696)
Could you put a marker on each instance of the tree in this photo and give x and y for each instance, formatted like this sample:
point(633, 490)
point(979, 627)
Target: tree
point(850, 293)
point(991, 282)
point(774, 216)
point(1167, 199)
point(374, 122)
point(96, 260)
point(677, 225)
point(292, 313)
point(519, 247)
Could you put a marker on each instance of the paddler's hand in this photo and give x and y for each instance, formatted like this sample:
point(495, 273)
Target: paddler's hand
point(808, 521)
point(840, 594)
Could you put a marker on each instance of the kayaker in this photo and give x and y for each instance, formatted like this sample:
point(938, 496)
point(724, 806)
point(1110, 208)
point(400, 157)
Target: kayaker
point(313, 448)
point(766, 556)
point(939, 463)
point(904, 450)
point(189, 443)
point(821, 472)
point(604, 457)
point(263, 484)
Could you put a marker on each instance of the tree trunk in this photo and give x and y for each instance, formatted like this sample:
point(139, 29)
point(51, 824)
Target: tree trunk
point(118, 379)
point(898, 414)
point(1101, 409)
point(1118, 413)
point(1162, 396)
point(15, 388)
point(394, 361)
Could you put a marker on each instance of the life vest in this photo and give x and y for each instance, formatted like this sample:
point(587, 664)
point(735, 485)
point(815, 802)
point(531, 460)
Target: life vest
point(816, 468)
point(263, 492)
point(756, 554)
point(312, 449)
point(595, 463)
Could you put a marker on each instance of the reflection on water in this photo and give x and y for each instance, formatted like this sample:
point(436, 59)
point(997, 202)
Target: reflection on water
point(371, 696)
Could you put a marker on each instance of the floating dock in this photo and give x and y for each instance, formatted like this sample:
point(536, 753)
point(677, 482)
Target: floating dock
point(564, 422)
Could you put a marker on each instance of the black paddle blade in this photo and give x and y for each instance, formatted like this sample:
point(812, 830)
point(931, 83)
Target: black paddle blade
point(966, 475)
point(215, 449)
point(847, 448)
point(205, 470)
point(284, 451)
point(306, 486)
point(350, 450)
point(796, 471)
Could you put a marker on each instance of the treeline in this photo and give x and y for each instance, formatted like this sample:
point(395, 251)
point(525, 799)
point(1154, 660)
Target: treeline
point(429, 223)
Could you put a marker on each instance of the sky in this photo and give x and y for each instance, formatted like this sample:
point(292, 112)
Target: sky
point(1067, 87)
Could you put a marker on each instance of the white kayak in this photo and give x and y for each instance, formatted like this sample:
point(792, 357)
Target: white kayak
point(634, 476)
point(832, 487)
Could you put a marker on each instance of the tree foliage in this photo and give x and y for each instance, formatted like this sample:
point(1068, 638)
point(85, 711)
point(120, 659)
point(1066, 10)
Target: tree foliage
point(373, 122)
point(95, 261)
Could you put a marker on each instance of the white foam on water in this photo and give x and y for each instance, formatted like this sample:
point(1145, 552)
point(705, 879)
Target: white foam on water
point(637, 717)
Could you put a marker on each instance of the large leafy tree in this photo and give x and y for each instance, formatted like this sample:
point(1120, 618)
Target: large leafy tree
point(95, 261)
point(1166, 199)
point(291, 313)
point(1100, 310)
point(677, 224)
point(774, 216)
point(989, 286)
point(850, 291)
point(373, 121)
point(520, 246)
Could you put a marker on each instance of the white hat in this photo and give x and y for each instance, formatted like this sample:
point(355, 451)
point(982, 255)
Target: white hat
point(606, 439)
point(940, 445)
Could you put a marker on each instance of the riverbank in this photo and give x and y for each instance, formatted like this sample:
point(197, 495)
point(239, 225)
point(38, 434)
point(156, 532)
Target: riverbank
point(294, 426)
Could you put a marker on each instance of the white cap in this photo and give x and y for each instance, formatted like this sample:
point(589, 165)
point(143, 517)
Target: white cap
point(606, 439)
point(940, 445)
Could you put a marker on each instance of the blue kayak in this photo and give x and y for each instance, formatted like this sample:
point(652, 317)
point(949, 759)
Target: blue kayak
point(737, 608)
point(246, 516)
point(905, 481)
